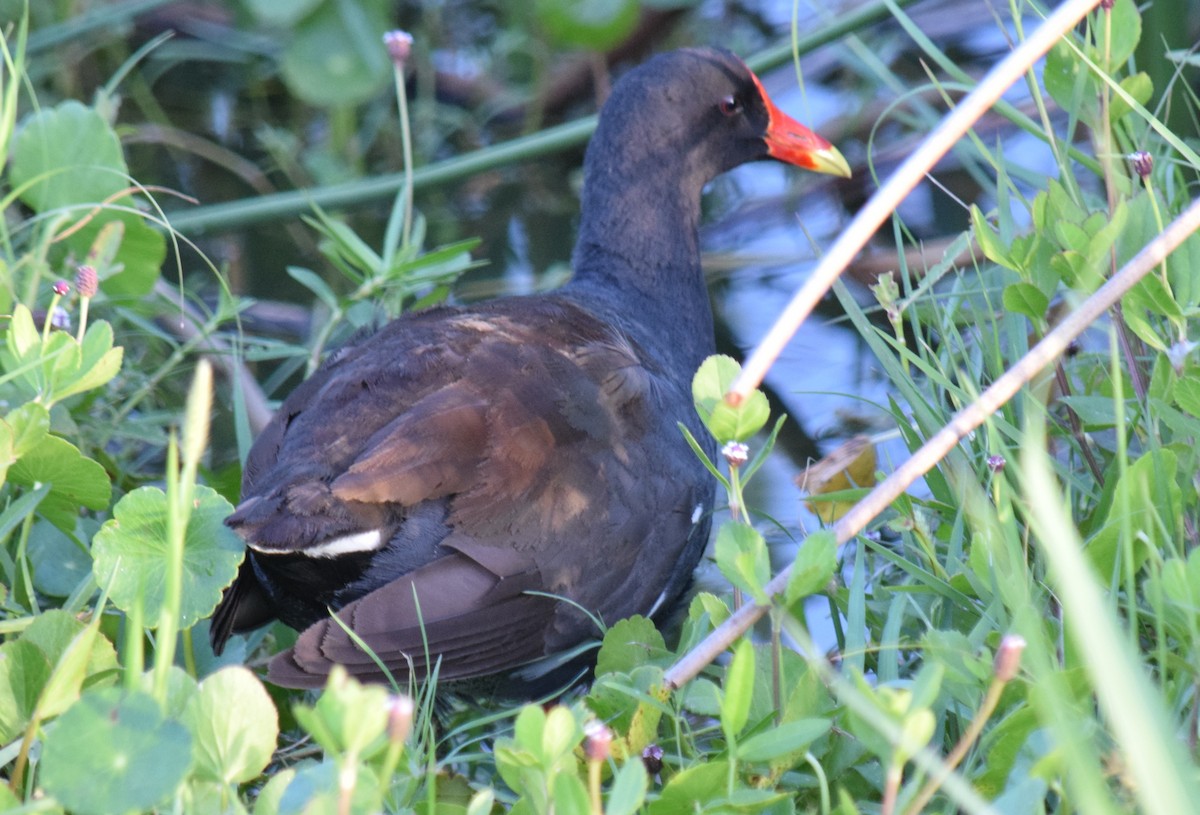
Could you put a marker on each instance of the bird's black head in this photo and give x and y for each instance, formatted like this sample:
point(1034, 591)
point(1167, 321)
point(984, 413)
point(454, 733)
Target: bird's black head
point(703, 110)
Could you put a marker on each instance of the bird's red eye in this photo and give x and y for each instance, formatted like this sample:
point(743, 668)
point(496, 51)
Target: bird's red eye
point(730, 105)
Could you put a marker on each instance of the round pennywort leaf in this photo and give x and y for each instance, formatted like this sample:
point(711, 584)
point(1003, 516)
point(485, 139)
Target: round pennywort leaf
point(114, 752)
point(235, 725)
point(130, 552)
point(70, 154)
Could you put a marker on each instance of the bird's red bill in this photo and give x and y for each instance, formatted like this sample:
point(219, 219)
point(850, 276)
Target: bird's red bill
point(792, 142)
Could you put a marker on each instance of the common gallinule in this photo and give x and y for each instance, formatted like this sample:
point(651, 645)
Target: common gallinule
point(435, 483)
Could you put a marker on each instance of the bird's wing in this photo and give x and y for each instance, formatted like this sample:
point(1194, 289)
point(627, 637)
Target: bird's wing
point(452, 611)
point(531, 448)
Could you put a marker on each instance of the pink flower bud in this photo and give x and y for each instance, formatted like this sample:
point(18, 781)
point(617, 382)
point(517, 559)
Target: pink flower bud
point(736, 453)
point(1008, 657)
point(399, 46)
point(597, 740)
point(400, 716)
point(1143, 163)
point(86, 281)
point(61, 287)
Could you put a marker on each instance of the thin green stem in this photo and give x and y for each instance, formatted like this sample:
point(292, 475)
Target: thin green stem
point(23, 564)
point(406, 141)
point(822, 781)
point(81, 332)
point(168, 619)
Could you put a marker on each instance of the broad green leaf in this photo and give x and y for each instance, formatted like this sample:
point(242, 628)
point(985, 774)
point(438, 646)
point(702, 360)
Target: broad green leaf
point(114, 752)
point(725, 422)
point(1139, 325)
point(8, 801)
point(1183, 271)
point(99, 362)
point(482, 802)
point(741, 555)
point(62, 358)
point(596, 25)
point(739, 690)
point(209, 798)
point(139, 255)
point(20, 431)
point(73, 657)
point(692, 789)
point(927, 685)
point(270, 796)
point(70, 154)
point(707, 603)
point(75, 480)
point(1075, 270)
point(569, 794)
point(1094, 411)
point(24, 671)
point(1187, 394)
point(235, 725)
point(1071, 236)
point(29, 424)
point(993, 248)
point(816, 561)
point(22, 335)
point(314, 790)
point(1027, 299)
point(528, 727)
point(916, 730)
point(336, 57)
point(782, 739)
point(1126, 27)
point(281, 12)
point(631, 704)
point(1150, 494)
point(628, 789)
point(630, 643)
point(179, 691)
point(560, 735)
point(1139, 86)
point(60, 563)
point(703, 697)
point(130, 552)
point(69, 673)
point(889, 701)
point(1002, 745)
point(1069, 83)
point(348, 718)
point(1150, 294)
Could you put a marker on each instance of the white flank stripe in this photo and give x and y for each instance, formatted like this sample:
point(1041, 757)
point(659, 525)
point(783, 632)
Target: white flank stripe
point(654, 608)
point(367, 541)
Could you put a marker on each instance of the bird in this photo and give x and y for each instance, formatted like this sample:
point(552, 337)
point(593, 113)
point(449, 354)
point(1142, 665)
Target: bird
point(474, 489)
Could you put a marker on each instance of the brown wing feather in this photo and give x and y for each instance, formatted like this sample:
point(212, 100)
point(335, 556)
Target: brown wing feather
point(531, 430)
point(429, 451)
point(475, 622)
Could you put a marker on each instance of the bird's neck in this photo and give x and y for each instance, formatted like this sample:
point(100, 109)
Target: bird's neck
point(638, 251)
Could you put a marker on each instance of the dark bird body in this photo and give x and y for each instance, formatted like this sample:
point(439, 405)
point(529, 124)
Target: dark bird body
point(472, 460)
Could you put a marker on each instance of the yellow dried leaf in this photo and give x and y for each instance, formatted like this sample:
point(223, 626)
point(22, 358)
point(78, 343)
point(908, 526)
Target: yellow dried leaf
point(850, 466)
